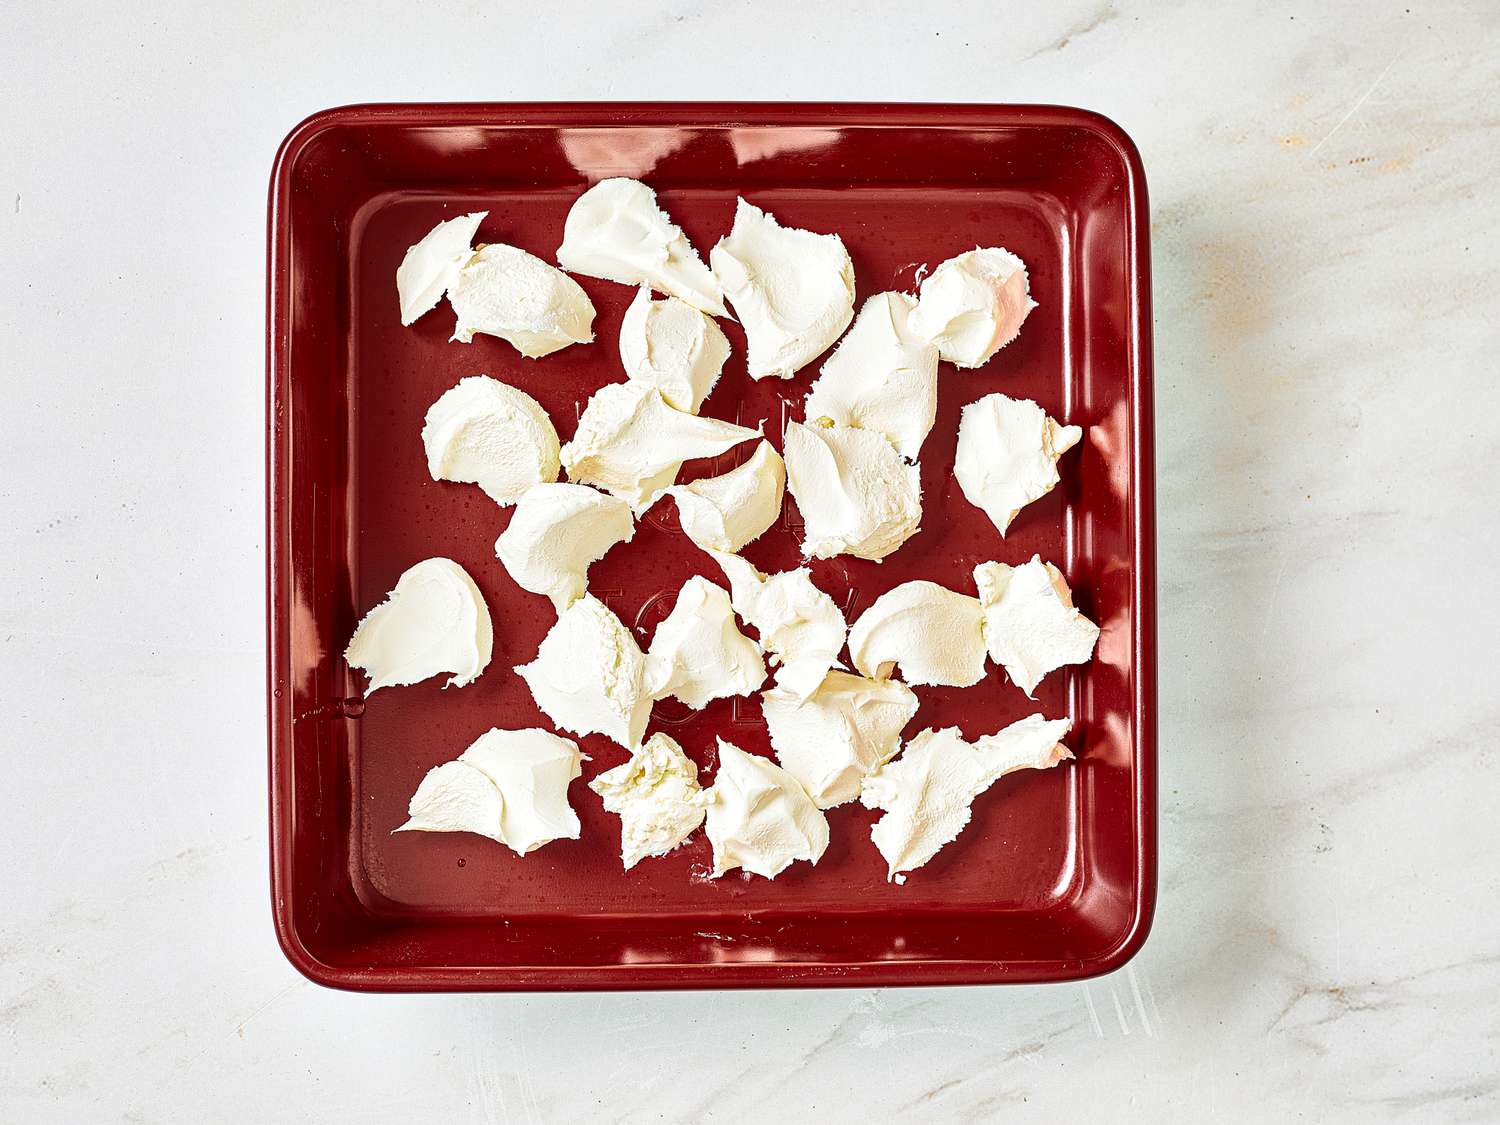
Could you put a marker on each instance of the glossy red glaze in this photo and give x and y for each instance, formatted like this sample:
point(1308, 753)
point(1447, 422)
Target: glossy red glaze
point(1054, 878)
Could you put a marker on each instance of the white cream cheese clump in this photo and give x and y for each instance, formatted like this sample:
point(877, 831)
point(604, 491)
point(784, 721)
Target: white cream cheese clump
point(927, 793)
point(433, 621)
point(856, 495)
point(673, 347)
point(799, 625)
point(930, 634)
point(881, 377)
point(485, 432)
point(972, 305)
point(655, 795)
point(1030, 623)
point(838, 735)
point(630, 443)
point(504, 291)
point(431, 265)
point(589, 675)
point(1007, 455)
point(617, 231)
point(759, 816)
point(725, 512)
point(792, 289)
point(557, 532)
point(510, 785)
point(698, 653)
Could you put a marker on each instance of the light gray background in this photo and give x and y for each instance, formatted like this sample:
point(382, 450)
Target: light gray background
point(1324, 218)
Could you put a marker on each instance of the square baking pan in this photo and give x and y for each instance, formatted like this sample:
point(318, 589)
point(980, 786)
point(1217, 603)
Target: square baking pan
point(1054, 878)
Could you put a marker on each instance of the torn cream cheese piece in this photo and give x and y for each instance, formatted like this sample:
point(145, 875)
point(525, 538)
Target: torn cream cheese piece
point(856, 495)
point(972, 305)
point(927, 792)
point(833, 739)
point(793, 290)
point(673, 347)
point(433, 621)
point(630, 443)
point(1007, 455)
point(504, 291)
point(510, 785)
point(557, 532)
point(881, 377)
point(759, 816)
point(924, 632)
point(724, 513)
point(485, 432)
point(698, 653)
point(589, 675)
point(799, 625)
point(617, 231)
point(432, 265)
point(1030, 624)
point(655, 795)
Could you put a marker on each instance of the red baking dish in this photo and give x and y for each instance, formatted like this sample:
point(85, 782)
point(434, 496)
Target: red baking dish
point(1055, 877)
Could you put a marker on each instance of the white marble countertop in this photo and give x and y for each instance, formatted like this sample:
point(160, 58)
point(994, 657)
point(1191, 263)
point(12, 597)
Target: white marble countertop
point(1326, 288)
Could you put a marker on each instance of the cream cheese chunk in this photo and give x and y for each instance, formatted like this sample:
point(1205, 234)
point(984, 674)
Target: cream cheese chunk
point(724, 513)
point(510, 785)
point(856, 495)
point(485, 432)
point(630, 443)
point(431, 266)
point(655, 795)
point(455, 797)
point(799, 625)
point(1007, 455)
point(839, 734)
point(929, 634)
point(972, 305)
point(1030, 623)
point(881, 377)
point(433, 621)
point(759, 816)
point(504, 291)
point(673, 347)
point(927, 793)
point(617, 231)
point(589, 675)
point(557, 532)
point(698, 653)
point(793, 290)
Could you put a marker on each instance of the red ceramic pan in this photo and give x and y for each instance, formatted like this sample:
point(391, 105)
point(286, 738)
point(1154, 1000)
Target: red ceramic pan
point(1055, 877)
